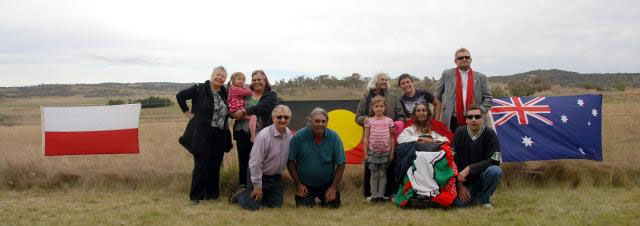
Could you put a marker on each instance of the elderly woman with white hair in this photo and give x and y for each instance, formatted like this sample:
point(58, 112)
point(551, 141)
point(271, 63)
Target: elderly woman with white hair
point(207, 135)
point(379, 86)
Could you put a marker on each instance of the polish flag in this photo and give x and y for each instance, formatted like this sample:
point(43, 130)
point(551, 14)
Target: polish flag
point(90, 130)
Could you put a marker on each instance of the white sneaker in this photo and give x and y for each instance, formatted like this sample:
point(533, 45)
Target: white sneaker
point(369, 198)
point(487, 206)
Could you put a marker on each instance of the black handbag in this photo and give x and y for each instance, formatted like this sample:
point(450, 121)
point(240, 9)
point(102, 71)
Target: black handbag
point(187, 137)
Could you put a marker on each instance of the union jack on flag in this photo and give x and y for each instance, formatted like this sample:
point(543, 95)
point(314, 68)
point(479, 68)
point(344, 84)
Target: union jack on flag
point(517, 108)
point(545, 128)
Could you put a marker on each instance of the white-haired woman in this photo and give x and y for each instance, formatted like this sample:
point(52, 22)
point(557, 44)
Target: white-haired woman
point(207, 135)
point(379, 86)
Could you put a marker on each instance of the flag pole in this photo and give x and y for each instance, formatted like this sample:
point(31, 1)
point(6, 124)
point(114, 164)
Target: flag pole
point(42, 143)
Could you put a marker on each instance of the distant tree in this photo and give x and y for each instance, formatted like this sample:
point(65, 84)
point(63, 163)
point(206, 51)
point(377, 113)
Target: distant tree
point(115, 102)
point(539, 84)
point(355, 81)
point(498, 92)
point(154, 102)
point(520, 89)
point(588, 85)
point(620, 86)
point(527, 86)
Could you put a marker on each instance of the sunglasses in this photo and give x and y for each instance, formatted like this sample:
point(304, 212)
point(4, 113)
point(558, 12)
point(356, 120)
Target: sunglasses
point(285, 117)
point(473, 116)
point(463, 57)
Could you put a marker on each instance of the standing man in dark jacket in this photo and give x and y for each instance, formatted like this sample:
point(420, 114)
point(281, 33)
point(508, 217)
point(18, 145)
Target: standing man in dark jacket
point(207, 135)
point(477, 153)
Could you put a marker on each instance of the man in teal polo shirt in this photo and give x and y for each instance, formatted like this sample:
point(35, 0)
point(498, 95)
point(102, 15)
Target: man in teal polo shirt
point(316, 162)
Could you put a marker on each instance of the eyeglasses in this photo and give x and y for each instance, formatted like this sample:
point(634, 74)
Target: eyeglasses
point(463, 57)
point(285, 117)
point(473, 116)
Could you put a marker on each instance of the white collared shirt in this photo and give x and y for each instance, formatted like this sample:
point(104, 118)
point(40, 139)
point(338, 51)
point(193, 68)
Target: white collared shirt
point(464, 75)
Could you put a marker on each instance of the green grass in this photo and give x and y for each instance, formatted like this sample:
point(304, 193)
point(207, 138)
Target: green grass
point(152, 187)
point(523, 206)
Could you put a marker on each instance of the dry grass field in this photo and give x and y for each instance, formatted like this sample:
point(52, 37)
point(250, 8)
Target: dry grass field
point(152, 187)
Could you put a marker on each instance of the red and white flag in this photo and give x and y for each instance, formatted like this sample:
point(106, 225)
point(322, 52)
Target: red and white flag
point(90, 130)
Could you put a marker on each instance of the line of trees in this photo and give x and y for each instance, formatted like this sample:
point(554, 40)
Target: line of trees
point(149, 102)
point(302, 84)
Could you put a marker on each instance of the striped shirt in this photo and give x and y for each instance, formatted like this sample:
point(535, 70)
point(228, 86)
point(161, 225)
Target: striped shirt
point(379, 135)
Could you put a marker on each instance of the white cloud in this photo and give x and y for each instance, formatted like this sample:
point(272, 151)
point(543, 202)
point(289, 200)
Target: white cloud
point(124, 41)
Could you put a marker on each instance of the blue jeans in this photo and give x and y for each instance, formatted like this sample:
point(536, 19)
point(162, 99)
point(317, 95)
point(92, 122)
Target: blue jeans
point(481, 190)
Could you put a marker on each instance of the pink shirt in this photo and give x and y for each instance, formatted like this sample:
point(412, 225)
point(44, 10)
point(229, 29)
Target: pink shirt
point(236, 98)
point(379, 135)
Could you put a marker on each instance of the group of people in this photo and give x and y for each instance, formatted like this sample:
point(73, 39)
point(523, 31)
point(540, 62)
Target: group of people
point(314, 156)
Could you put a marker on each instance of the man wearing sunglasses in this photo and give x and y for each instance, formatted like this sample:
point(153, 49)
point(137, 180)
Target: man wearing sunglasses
point(477, 156)
point(460, 88)
point(267, 160)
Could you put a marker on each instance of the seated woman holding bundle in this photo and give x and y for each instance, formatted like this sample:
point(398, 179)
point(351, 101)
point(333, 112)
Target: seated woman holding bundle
point(421, 130)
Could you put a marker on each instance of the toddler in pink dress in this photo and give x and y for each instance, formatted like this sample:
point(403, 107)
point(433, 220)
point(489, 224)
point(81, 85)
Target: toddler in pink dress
point(237, 94)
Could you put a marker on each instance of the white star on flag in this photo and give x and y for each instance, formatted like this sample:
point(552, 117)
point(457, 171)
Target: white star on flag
point(594, 112)
point(580, 102)
point(589, 123)
point(527, 141)
point(564, 118)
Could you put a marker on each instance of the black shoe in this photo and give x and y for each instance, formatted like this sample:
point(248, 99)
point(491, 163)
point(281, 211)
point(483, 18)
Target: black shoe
point(195, 202)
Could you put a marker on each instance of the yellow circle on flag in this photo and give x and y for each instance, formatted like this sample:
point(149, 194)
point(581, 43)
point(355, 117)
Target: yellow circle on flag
point(344, 123)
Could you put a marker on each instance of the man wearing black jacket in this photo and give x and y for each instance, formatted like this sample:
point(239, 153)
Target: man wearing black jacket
point(477, 153)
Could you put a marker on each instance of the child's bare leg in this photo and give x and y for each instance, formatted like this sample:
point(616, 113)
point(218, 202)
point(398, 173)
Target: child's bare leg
point(252, 126)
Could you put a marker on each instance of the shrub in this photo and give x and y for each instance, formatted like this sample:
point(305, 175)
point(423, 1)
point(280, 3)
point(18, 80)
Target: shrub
point(620, 87)
point(154, 102)
point(520, 89)
point(527, 87)
point(498, 92)
point(115, 102)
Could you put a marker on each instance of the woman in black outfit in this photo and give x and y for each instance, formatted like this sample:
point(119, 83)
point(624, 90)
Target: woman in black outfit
point(207, 135)
point(260, 103)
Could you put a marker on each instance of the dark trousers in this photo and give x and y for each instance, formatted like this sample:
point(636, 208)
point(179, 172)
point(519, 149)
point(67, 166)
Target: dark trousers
point(392, 186)
point(272, 193)
point(205, 181)
point(244, 145)
point(317, 192)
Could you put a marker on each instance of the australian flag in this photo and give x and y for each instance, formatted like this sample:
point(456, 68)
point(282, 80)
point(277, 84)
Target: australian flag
point(545, 128)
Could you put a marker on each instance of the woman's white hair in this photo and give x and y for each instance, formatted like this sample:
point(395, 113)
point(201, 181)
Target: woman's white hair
point(219, 68)
point(374, 80)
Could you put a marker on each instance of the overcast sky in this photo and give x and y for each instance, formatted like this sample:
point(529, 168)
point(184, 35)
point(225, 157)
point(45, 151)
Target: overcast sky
point(181, 41)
